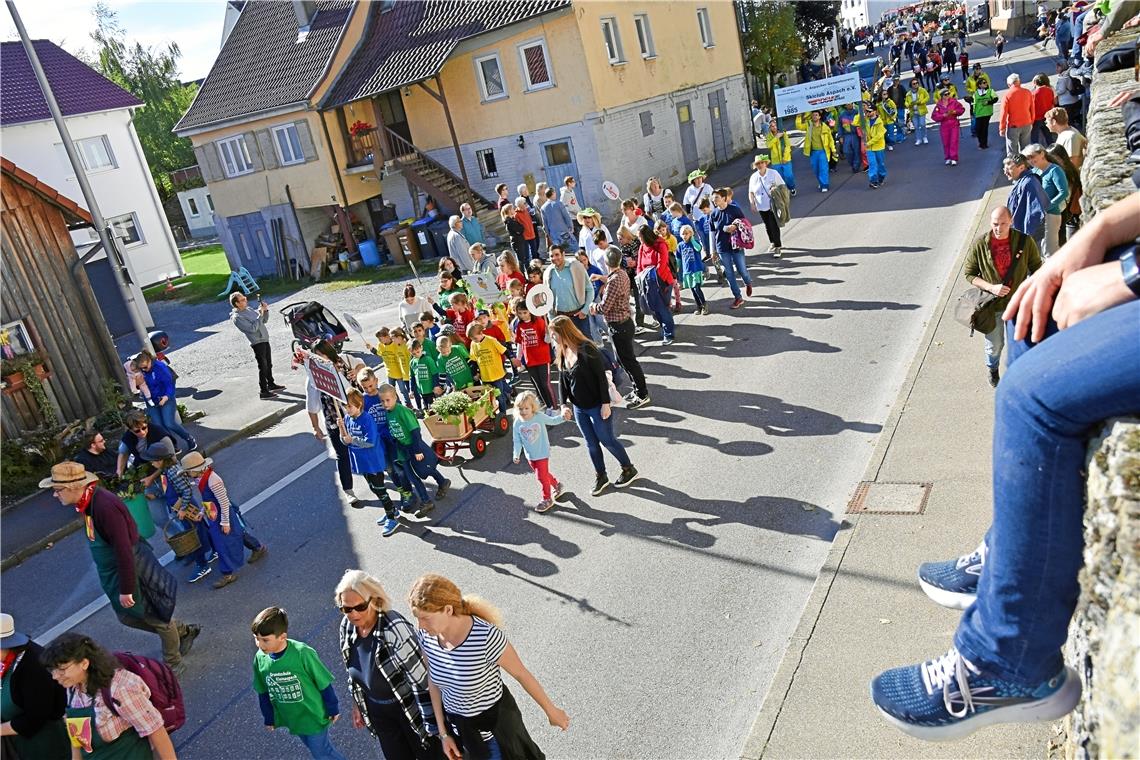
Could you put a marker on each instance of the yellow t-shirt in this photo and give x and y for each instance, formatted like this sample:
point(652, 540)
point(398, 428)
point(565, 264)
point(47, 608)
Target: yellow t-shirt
point(487, 353)
point(397, 360)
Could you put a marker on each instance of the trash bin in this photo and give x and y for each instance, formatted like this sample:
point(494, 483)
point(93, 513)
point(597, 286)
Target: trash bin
point(425, 239)
point(439, 229)
point(369, 253)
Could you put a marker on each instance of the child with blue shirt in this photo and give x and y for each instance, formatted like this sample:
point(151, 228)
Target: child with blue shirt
point(359, 433)
point(160, 381)
point(530, 436)
point(692, 268)
point(370, 385)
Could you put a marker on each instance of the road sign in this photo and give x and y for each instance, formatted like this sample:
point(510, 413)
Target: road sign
point(325, 378)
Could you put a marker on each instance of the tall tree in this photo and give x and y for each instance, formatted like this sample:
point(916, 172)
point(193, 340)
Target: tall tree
point(771, 41)
point(151, 75)
point(815, 20)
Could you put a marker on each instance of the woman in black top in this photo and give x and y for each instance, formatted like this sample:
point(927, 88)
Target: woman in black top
point(585, 394)
point(31, 703)
point(516, 232)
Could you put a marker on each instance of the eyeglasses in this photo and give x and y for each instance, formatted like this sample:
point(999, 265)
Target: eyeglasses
point(358, 608)
point(59, 671)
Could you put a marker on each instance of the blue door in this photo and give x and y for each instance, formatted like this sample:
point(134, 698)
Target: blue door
point(558, 162)
point(252, 250)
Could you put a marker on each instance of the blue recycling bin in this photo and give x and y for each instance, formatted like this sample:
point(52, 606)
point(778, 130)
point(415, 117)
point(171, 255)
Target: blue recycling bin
point(369, 253)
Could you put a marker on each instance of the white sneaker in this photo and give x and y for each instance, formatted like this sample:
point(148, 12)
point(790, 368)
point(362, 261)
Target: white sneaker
point(890, 147)
point(823, 190)
point(778, 253)
point(918, 142)
point(953, 162)
point(925, 141)
point(772, 249)
point(947, 162)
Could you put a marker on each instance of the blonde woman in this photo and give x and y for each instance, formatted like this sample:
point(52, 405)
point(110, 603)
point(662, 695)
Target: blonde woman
point(591, 222)
point(387, 673)
point(466, 653)
point(653, 202)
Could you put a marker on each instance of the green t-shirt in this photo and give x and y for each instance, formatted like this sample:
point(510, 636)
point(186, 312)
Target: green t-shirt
point(431, 349)
point(424, 371)
point(402, 423)
point(455, 365)
point(294, 682)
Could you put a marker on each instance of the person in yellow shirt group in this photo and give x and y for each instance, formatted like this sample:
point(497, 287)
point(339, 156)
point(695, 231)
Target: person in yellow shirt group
point(392, 348)
point(875, 138)
point(819, 147)
point(487, 353)
point(780, 149)
point(916, 102)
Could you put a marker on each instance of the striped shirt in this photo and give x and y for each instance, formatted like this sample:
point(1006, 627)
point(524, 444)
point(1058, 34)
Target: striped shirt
point(468, 676)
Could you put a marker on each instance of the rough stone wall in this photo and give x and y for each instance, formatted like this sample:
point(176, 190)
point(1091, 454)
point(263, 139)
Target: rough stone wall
point(1105, 632)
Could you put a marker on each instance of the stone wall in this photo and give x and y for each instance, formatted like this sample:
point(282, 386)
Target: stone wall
point(1105, 631)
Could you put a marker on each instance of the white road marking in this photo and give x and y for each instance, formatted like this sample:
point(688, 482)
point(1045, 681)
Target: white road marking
point(98, 604)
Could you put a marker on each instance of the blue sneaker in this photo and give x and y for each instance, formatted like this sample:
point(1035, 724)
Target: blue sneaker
point(953, 583)
point(200, 573)
point(390, 525)
point(948, 698)
point(212, 556)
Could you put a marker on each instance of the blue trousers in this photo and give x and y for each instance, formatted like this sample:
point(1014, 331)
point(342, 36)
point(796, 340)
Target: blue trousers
point(320, 747)
point(733, 263)
point(852, 151)
point(168, 415)
point(597, 433)
point(819, 166)
point(1047, 404)
point(900, 125)
point(919, 127)
point(657, 302)
point(787, 173)
point(876, 165)
point(893, 133)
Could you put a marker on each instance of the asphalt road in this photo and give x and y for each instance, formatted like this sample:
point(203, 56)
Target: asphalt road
point(655, 616)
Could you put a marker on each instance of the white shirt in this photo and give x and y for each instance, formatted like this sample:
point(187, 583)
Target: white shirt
point(1073, 142)
point(693, 197)
point(760, 187)
point(586, 241)
point(410, 312)
point(633, 227)
point(570, 201)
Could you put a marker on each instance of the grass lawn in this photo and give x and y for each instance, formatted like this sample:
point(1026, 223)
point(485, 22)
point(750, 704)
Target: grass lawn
point(208, 270)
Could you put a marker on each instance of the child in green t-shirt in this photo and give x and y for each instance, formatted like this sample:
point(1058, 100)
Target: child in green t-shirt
point(453, 361)
point(415, 457)
point(420, 333)
point(294, 688)
point(425, 373)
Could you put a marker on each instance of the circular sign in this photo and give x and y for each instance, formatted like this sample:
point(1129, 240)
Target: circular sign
point(540, 300)
point(352, 323)
point(610, 190)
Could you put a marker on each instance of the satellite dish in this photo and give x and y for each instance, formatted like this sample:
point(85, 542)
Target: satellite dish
point(540, 300)
point(610, 190)
point(353, 324)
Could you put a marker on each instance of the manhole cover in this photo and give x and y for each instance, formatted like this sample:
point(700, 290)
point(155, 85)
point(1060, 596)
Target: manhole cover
point(889, 498)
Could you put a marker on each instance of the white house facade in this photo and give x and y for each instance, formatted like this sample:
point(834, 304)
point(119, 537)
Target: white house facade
point(198, 208)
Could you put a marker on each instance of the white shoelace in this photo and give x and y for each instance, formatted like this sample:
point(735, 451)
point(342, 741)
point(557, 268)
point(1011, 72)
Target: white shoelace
point(948, 670)
point(978, 556)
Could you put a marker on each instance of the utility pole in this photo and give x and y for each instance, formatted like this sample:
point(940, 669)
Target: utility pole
point(118, 264)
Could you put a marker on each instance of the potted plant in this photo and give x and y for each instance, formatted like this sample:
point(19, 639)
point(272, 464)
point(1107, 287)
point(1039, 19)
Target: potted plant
point(454, 415)
point(19, 370)
point(132, 490)
point(359, 127)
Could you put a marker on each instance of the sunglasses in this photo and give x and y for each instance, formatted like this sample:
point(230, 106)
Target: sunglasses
point(358, 608)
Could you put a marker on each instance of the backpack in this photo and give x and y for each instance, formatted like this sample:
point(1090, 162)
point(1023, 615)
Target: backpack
point(1076, 86)
point(165, 693)
point(743, 237)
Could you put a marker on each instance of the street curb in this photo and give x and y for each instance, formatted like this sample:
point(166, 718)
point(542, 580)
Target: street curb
point(257, 426)
point(765, 722)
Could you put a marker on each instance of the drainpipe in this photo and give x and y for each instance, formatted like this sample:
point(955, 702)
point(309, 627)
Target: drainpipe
point(81, 177)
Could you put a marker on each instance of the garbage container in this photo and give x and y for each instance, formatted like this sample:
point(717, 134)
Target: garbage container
point(425, 239)
point(369, 253)
point(439, 229)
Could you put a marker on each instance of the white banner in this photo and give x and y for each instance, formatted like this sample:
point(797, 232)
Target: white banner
point(822, 93)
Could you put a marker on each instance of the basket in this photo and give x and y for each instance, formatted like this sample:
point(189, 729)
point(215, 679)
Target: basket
point(184, 542)
point(442, 431)
point(480, 393)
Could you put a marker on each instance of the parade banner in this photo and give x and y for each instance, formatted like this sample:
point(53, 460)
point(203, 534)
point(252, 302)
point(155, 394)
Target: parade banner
point(821, 93)
point(325, 378)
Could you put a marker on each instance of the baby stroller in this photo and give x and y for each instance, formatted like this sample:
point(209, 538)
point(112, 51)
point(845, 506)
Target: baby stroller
point(312, 322)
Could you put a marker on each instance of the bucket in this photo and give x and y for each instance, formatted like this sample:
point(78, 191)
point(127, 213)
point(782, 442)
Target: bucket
point(140, 511)
point(184, 541)
point(369, 253)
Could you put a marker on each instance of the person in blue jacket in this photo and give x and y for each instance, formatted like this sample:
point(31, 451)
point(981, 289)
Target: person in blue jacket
point(359, 433)
point(160, 381)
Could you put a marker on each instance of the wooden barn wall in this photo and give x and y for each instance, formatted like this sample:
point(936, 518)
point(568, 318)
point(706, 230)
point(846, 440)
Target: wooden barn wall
point(37, 287)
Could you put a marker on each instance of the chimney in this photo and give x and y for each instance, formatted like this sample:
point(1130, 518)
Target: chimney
point(305, 10)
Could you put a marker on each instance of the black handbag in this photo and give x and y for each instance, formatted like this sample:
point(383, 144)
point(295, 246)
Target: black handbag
point(974, 301)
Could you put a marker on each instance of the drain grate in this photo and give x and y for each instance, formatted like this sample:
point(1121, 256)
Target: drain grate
point(889, 498)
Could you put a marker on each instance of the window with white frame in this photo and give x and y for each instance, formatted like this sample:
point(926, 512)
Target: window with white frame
point(612, 40)
point(644, 35)
point(487, 166)
point(235, 156)
point(126, 229)
point(94, 153)
point(192, 204)
point(491, 82)
point(288, 144)
point(705, 27)
point(536, 65)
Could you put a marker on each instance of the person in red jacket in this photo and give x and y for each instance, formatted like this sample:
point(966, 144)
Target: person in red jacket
point(655, 279)
point(1044, 98)
point(534, 350)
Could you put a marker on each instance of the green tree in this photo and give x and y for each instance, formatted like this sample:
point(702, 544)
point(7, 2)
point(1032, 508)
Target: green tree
point(151, 75)
point(771, 41)
point(815, 20)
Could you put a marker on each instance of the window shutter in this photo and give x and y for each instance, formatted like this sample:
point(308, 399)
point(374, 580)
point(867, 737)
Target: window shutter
point(266, 148)
point(306, 138)
point(254, 153)
point(208, 162)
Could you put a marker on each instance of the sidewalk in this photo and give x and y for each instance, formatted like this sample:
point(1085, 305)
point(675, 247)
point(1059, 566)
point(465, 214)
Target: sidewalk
point(866, 612)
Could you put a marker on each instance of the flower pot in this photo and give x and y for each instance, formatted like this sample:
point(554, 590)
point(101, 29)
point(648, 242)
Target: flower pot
point(140, 511)
point(15, 382)
point(441, 430)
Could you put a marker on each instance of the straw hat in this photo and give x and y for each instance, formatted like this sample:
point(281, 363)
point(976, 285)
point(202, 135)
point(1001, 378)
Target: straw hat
point(10, 638)
point(194, 462)
point(66, 474)
point(587, 213)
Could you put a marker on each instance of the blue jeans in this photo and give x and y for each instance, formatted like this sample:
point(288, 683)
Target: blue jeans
point(876, 165)
point(919, 127)
point(1046, 406)
point(657, 301)
point(405, 388)
point(893, 133)
point(787, 174)
point(504, 394)
point(168, 413)
point(994, 343)
point(851, 149)
point(819, 166)
point(733, 263)
point(900, 125)
point(597, 433)
point(320, 747)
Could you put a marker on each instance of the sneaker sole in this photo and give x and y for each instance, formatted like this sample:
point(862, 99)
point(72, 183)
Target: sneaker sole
point(600, 491)
point(626, 483)
point(1053, 707)
point(954, 600)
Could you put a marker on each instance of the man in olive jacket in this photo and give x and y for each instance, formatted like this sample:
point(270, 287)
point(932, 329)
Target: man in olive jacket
point(998, 262)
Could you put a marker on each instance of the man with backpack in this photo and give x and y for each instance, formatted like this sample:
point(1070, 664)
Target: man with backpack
point(141, 591)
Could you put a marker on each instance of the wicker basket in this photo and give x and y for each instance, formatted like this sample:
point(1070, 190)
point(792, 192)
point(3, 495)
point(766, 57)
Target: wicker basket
point(184, 543)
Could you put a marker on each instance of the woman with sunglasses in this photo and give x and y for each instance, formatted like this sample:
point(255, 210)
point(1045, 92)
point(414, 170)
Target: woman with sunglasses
point(387, 673)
